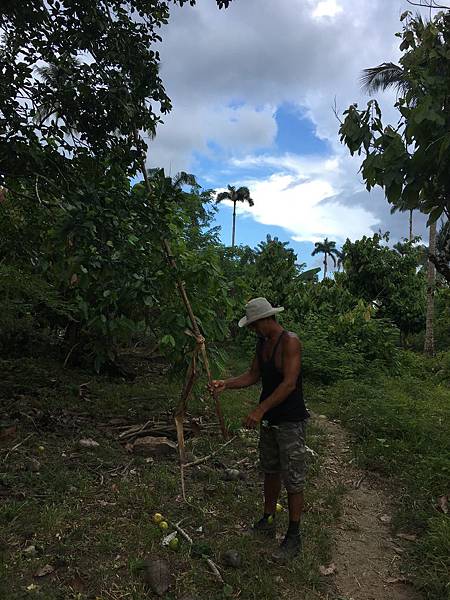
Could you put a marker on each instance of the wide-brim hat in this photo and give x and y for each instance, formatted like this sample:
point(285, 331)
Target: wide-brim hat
point(256, 309)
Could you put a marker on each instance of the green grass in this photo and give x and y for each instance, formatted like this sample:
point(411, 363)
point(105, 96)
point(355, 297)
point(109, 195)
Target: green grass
point(88, 511)
point(402, 430)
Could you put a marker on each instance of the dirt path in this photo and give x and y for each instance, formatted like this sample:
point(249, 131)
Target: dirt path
point(367, 556)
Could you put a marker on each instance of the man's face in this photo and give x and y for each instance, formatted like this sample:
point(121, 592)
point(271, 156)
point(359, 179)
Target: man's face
point(256, 327)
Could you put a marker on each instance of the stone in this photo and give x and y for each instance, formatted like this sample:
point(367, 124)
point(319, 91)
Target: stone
point(156, 574)
point(232, 558)
point(154, 446)
point(231, 475)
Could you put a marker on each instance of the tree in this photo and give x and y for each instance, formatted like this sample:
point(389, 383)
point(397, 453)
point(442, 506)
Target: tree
point(410, 161)
point(431, 279)
point(388, 279)
point(79, 78)
point(242, 194)
point(277, 272)
point(327, 248)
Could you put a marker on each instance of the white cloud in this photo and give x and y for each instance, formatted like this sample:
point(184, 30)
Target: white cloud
point(193, 128)
point(228, 71)
point(305, 198)
point(326, 8)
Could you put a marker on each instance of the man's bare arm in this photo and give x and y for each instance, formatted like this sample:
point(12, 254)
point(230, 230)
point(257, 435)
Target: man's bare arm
point(247, 379)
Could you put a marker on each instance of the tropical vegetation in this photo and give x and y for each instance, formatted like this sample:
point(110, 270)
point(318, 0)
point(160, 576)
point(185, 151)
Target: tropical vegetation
point(95, 249)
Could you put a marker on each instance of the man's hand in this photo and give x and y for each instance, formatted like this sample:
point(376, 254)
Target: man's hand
point(252, 420)
point(217, 385)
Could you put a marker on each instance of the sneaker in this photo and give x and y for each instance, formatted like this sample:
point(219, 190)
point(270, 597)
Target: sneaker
point(289, 548)
point(264, 528)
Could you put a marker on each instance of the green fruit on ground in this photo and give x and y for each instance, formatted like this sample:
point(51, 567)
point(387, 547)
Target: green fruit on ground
point(270, 520)
point(157, 518)
point(279, 507)
point(164, 525)
point(174, 543)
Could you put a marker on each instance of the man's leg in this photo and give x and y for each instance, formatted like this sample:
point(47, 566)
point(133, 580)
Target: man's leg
point(295, 502)
point(270, 465)
point(272, 488)
point(291, 438)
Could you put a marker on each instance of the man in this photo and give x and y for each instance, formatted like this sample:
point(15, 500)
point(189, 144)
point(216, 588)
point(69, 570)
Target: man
point(282, 415)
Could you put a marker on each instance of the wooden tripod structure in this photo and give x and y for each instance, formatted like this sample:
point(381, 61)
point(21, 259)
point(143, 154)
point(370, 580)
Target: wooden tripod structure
point(199, 350)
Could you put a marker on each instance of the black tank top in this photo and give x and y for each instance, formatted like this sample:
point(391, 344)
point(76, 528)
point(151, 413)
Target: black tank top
point(292, 409)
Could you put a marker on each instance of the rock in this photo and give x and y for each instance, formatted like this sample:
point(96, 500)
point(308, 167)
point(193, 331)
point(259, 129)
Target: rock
point(232, 558)
point(231, 475)
point(44, 571)
point(156, 574)
point(88, 443)
point(154, 446)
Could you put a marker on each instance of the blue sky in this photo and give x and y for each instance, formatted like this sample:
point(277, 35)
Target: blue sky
point(253, 94)
point(295, 134)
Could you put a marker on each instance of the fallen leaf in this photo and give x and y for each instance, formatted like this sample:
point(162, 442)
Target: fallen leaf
point(411, 537)
point(443, 504)
point(43, 571)
point(385, 519)
point(168, 538)
point(328, 570)
point(32, 587)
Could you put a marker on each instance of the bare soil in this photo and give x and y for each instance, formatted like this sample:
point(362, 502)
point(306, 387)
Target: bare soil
point(367, 556)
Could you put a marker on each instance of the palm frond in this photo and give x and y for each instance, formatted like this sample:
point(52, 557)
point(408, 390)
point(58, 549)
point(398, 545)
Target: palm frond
point(183, 178)
point(223, 196)
point(382, 77)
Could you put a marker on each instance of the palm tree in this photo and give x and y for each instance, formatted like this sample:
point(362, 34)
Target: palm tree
point(242, 194)
point(327, 248)
point(340, 261)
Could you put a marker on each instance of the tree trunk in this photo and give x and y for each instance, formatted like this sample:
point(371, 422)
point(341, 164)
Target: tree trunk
point(431, 279)
point(410, 225)
point(234, 225)
point(325, 265)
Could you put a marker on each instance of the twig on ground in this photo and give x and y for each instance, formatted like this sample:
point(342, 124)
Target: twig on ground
point(182, 532)
point(205, 458)
point(215, 570)
point(132, 431)
point(16, 446)
point(70, 354)
point(212, 565)
point(360, 480)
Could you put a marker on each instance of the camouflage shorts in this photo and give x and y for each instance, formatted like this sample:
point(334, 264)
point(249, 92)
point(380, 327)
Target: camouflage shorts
point(282, 450)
